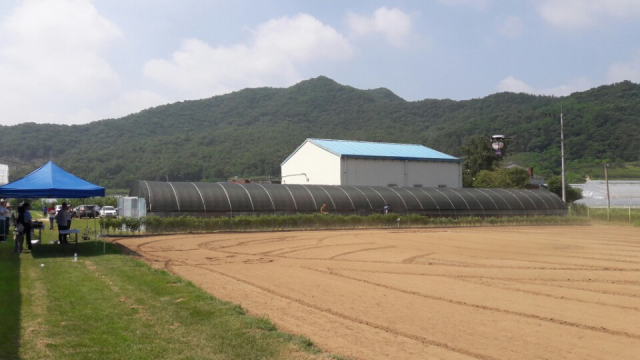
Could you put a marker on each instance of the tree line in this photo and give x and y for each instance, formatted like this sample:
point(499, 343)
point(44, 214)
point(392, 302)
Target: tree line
point(250, 132)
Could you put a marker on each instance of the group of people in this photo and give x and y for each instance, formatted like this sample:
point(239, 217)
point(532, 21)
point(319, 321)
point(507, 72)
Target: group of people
point(23, 223)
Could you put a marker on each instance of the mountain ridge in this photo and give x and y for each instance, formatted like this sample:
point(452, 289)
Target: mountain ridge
point(250, 131)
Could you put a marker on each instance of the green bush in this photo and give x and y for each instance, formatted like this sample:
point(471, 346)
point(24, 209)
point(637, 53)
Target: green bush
point(186, 224)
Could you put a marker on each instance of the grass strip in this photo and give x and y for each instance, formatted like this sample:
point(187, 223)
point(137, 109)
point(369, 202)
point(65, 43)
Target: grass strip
point(112, 306)
point(186, 224)
point(10, 300)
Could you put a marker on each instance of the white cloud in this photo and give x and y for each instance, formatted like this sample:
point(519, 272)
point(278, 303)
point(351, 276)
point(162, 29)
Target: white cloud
point(393, 24)
point(511, 27)
point(271, 58)
point(133, 101)
point(511, 84)
point(625, 71)
point(478, 4)
point(49, 54)
point(579, 14)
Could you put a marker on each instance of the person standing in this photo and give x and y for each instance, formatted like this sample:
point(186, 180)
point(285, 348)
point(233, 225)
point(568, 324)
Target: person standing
point(44, 210)
point(19, 230)
point(25, 219)
point(23, 227)
point(387, 209)
point(4, 221)
point(63, 219)
point(52, 215)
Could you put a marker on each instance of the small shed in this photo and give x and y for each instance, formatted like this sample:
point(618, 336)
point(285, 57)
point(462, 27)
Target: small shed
point(362, 163)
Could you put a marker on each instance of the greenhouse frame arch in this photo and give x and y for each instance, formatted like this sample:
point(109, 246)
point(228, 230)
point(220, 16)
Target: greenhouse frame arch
point(233, 199)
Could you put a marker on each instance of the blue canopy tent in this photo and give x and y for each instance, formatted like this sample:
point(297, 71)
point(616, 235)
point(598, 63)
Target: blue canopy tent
point(51, 181)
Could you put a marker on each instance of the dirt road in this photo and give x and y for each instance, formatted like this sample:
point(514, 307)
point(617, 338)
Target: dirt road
point(469, 293)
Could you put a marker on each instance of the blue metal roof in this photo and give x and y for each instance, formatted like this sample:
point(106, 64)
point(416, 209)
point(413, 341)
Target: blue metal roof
point(375, 150)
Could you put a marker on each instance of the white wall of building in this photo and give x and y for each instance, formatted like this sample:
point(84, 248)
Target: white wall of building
point(378, 172)
point(4, 174)
point(313, 165)
point(320, 167)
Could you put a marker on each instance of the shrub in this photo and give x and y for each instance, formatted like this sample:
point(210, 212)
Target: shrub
point(182, 224)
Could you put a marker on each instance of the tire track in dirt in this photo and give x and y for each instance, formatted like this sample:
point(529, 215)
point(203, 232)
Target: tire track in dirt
point(493, 309)
point(275, 251)
point(361, 250)
point(250, 242)
point(584, 289)
point(319, 241)
point(558, 297)
point(464, 264)
point(554, 240)
point(587, 267)
point(525, 245)
point(524, 253)
point(435, 261)
point(551, 231)
point(340, 315)
point(477, 281)
point(320, 247)
point(574, 266)
point(605, 281)
point(411, 259)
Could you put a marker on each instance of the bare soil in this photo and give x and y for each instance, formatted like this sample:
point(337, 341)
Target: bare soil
point(483, 293)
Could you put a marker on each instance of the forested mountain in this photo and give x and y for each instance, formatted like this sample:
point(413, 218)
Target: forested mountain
point(250, 132)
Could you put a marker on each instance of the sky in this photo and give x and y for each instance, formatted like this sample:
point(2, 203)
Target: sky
point(77, 61)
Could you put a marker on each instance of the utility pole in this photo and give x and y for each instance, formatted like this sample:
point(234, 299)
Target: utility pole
point(564, 190)
point(606, 179)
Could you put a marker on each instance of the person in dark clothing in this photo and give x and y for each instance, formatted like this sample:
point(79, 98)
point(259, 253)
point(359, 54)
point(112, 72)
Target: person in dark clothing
point(18, 230)
point(387, 209)
point(25, 219)
point(23, 222)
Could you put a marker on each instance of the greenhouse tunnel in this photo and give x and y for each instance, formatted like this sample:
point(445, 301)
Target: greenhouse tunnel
point(231, 199)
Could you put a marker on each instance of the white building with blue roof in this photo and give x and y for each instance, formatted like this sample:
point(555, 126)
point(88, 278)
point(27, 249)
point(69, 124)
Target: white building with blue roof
point(362, 163)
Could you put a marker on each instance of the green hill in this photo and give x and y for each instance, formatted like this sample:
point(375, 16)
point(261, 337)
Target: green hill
point(249, 132)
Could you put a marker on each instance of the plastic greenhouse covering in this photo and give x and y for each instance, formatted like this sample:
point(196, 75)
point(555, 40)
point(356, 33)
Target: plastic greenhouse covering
point(230, 199)
point(621, 193)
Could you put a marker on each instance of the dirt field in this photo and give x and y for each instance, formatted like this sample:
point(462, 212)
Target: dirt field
point(484, 293)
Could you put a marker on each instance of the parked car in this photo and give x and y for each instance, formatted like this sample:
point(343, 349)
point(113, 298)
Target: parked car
point(108, 211)
point(86, 211)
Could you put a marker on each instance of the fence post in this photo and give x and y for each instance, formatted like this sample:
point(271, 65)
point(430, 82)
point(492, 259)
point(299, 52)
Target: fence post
point(629, 213)
point(588, 214)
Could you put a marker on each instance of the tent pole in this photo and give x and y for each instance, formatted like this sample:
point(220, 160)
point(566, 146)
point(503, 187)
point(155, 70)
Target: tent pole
point(95, 225)
point(104, 246)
